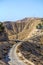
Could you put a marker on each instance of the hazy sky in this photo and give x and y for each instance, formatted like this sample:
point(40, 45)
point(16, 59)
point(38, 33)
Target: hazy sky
point(12, 10)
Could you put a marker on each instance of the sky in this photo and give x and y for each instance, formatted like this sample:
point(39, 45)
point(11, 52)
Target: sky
point(12, 10)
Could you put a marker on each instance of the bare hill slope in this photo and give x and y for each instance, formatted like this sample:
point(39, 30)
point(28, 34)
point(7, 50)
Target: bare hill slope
point(22, 28)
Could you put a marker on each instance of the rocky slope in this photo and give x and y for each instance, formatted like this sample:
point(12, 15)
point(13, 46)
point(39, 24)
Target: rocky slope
point(33, 51)
point(5, 45)
point(21, 28)
point(24, 29)
point(4, 49)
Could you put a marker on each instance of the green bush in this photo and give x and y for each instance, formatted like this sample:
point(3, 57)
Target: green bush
point(39, 26)
point(1, 27)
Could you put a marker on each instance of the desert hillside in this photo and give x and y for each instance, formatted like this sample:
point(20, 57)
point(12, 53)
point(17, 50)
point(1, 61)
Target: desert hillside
point(22, 28)
point(33, 50)
point(29, 30)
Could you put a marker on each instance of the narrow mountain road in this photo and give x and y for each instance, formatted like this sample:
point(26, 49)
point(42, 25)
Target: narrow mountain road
point(14, 59)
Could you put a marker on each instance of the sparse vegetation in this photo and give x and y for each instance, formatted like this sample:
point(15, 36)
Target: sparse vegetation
point(1, 27)
point(39, 26)
point(31, 50)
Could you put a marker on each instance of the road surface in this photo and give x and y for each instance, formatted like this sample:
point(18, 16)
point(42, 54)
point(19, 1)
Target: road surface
point(14, 58)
